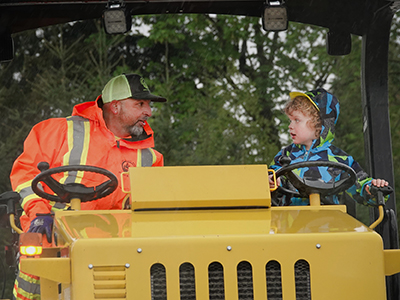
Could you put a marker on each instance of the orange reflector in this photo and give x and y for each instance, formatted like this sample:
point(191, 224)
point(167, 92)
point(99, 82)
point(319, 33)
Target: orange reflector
point(30, 244)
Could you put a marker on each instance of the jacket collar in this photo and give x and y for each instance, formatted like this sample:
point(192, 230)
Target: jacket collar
point(91, 111)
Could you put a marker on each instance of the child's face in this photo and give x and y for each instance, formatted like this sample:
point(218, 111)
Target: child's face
point(300, 132)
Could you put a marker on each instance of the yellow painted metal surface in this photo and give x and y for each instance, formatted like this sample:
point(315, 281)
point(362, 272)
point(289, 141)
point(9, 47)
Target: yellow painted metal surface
point(380, 218)
point(113, 224)
point(55, 268)
point(315, 200)
point(392, 261)
point(211, 186)
point(349, 254)
point(341, 267)
point(200, 223)
point(72, 225)
point(248, 221)
point(48, 289)
point(339, 250)
point(112, 254)
point(322, 219)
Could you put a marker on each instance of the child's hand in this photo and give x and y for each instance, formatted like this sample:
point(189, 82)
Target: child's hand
point(271, 181)
point(378, 183)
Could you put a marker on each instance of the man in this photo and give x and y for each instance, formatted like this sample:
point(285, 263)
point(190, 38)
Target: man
point(111, 132)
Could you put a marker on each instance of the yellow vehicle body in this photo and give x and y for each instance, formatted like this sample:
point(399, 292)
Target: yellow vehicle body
point(211, 233)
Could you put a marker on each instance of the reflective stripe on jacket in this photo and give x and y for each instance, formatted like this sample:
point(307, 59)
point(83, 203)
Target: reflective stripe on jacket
point(84, 139)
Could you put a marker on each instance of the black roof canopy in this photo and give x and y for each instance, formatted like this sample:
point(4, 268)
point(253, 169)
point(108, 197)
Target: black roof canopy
point(353, 16)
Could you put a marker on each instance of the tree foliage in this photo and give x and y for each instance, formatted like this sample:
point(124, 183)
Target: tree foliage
point(224, 77)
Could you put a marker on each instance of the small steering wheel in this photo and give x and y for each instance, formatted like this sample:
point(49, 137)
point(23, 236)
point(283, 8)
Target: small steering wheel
point(66, 192)
point(307, 186)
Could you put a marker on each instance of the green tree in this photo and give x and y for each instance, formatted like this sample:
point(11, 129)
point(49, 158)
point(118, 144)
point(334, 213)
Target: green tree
point(225, 79)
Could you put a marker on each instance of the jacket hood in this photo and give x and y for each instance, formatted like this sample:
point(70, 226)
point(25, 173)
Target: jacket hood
point(329, 108)
point(91, 110)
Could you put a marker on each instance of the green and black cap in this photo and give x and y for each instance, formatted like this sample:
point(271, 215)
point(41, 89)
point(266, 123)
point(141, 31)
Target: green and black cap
point(128, 86)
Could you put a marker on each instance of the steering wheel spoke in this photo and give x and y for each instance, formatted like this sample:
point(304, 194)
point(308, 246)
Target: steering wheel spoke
point(102, 188)
point(55, 186)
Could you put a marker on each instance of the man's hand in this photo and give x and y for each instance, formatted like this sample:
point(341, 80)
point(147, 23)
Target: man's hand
point(43, 223)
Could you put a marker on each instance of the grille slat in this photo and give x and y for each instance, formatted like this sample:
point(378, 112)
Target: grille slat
point(216, 286)
point(158, 282)
point(245, 281)
point(109, 282)
point(302, 279)
point(187, 282)
point(274, 280)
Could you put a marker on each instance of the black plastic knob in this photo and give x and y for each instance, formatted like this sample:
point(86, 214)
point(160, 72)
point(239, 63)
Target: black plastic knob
point(43, 166)
point(285, 161)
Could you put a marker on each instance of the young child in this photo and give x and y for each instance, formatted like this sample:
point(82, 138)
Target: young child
point(313, 116)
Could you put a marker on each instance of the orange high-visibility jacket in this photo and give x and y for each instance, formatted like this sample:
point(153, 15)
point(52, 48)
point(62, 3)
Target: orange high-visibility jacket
point(81, 139)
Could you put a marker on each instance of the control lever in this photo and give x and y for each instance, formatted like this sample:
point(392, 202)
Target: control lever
point(380, 193)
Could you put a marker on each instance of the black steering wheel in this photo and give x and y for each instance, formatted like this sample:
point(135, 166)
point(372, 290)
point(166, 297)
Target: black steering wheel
point(66, 192)
point(307, 186)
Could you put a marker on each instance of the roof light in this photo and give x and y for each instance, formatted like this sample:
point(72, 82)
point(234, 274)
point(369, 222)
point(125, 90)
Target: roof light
point(274, 16)
point(116, 19)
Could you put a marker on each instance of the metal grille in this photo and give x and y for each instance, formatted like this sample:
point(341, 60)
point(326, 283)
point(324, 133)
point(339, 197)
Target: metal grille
point(109, 282)
point(216, 284)
point(274, 280)
point(302, 280)
point(187, 282)
point(245, 281)
point(216, 281)
point(158, 282)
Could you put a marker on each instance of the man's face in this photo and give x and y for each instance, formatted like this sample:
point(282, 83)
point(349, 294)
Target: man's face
point(134, 114)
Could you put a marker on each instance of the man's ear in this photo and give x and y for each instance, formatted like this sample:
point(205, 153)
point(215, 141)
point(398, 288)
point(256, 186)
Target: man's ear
point(115, 106)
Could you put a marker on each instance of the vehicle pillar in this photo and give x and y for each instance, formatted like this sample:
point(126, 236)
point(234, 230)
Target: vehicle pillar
point(377, 135)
